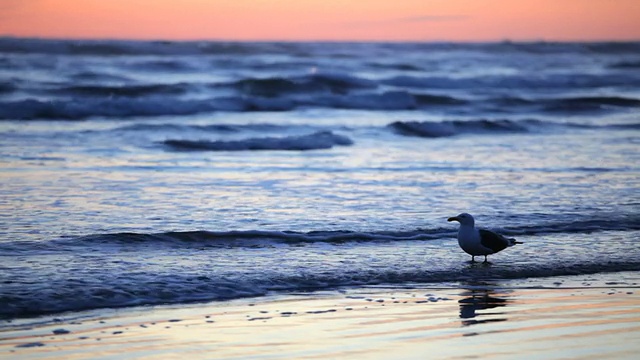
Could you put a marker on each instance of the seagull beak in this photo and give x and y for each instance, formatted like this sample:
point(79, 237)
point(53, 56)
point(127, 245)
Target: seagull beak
point(455, 218)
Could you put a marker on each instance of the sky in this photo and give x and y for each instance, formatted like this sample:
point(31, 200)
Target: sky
point(330, 20)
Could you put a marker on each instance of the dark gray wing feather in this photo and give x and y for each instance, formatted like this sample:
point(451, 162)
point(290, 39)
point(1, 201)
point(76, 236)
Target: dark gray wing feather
point(493, 241)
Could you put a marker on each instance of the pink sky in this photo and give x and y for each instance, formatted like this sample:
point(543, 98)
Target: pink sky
point(394, 20)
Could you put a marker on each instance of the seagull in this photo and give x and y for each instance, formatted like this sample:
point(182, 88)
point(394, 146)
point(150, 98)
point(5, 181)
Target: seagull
point(476, 242)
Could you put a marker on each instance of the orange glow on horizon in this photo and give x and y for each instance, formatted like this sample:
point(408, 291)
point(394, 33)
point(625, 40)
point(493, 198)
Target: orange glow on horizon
point(385, 20)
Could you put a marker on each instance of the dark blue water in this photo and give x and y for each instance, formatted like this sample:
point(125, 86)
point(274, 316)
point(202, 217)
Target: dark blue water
point(138, 173)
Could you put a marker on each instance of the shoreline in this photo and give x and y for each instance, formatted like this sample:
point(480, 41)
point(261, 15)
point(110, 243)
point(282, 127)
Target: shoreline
point(566, 317)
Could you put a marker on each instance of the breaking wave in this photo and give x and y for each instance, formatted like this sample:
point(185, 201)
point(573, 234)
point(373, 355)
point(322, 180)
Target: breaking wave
point(267, 238)
point(132, 269)
point(119, 291)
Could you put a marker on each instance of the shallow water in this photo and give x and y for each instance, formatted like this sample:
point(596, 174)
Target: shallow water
point(558, 317)
point(146, 173)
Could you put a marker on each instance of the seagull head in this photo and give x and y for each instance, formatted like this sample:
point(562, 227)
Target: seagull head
point(464, 219)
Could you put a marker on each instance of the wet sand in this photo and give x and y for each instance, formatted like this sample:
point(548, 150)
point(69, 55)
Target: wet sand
point(569, 318)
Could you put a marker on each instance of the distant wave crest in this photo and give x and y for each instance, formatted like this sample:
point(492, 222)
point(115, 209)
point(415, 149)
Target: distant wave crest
point(315, 141)
point(432, 129)
point(156, 100)
point(32, 109)
point(450, 128)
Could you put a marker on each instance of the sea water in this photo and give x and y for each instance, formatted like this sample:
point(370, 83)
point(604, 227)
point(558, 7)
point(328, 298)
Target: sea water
point(141, 173)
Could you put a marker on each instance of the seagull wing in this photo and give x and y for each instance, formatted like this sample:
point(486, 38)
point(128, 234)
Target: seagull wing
point(493, 241)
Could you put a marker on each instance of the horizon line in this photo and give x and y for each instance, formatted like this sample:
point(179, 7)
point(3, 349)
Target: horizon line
point(186, 40)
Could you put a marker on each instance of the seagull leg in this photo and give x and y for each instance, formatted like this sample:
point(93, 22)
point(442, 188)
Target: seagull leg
point(473, 258)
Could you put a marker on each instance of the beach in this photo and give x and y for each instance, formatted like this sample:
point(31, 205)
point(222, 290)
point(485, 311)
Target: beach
point(574, 317)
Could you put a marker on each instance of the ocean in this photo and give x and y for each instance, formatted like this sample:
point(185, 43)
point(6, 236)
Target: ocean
point(144, 173)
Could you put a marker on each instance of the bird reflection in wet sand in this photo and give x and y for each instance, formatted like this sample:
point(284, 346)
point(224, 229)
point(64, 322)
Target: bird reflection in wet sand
point(477, 299)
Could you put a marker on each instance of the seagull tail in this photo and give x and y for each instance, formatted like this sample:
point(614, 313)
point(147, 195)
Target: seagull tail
point(513, 241)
